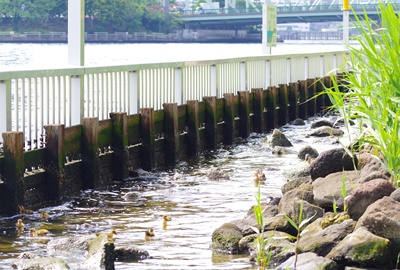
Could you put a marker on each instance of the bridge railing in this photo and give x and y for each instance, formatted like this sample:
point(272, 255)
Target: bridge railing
point(31, 99)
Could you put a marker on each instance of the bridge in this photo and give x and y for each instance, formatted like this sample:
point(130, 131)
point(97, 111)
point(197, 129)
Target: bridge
point(285, 14)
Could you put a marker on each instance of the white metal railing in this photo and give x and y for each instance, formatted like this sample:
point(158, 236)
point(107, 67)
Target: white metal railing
point(31, 99)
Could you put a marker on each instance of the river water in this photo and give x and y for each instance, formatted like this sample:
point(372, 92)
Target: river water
point(196, 204)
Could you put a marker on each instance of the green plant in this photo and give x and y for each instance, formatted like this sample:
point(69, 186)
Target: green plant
point(299, 226)
point(369, 87)
point(344, 192)
point(263, 253)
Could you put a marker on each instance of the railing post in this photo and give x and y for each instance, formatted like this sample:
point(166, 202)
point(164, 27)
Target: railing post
point(120, 145)
point(229, 118)
point(259, 122)
point(293, 100)
point(76, 32)
point(55, 161)
point(148, 138)
point(76, 101)
point(171, 133)
point(13, 171)
point(211, 121)
point(213, 80)
point(244, 113)
point(90, 153)
point(178, 86)
point(133, 93)
point(5, 105)
point(283, 104)
point(193, 125)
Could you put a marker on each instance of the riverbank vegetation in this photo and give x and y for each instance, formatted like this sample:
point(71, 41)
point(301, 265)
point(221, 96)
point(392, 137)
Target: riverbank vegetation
point(369, 89)
point(101, 16)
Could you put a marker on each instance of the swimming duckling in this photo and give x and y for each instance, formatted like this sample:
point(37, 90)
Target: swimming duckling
point(149, 233)
point(308, 158)
point(22, 210)
point(44, 215)
point(258, 176)
point(109, 235)
point(167, 218)
point(40, 232)
point(19, 224)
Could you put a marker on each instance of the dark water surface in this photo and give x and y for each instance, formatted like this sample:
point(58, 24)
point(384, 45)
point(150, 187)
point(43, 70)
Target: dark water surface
point(196, 205)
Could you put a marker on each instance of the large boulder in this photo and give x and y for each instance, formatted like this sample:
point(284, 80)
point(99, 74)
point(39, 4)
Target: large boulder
point(296, 182)
point(279, 139)
point(312, 152)
point(126, 254)
point(383, 218)
point(328, 190)
point(226, 239)
point(364, 249)
point(30, 261)
point(322, 241)
point(365, 194)
point(308, 261)
point(331, 161)
point(371, 168)
point(289, 204)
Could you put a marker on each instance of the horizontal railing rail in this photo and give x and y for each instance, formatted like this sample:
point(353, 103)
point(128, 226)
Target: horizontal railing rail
point(32, 99)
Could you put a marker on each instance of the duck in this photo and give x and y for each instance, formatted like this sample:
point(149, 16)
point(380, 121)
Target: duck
point(109, 235)
point(258, 176)
point(308, 158)
point(167, 218)
point(44, 215)
point(19, 224)
point(40, 232)
point(22, 210)
point(149, 233)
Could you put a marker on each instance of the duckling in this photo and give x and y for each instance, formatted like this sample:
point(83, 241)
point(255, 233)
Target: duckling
point(258, 176)
point(40, 232)
point(22, 210)
point(149, 233)
point(44, 215)
point(167, 218)
point(109, 235)
point(308, 158)
point(19, 224)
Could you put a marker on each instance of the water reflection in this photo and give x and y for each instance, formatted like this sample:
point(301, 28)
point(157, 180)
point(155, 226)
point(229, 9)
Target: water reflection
point(196, 205)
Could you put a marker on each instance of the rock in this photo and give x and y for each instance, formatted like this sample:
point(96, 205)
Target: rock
point(308, 261)
point(331, 218)
point(326, 132)
point(372, 169)
point(124, 254)
point(30, 261)
point(292, 197)
point(280, 150)
point(365, 194)
point(247, 243)
point(307, 150)
point(340, 122)
point(269, 210)
point(331, 161)
point(74, 244)
point(226, 238)
point(217, 174)
point(296, 182)
point(131, 196)
point(321, 242)
point(302, 170)
point(321, 123)
point(279, 139)
point(364, 249)
point(328, 189)
point(396, 195)
point(100, 253)
point(298, 122)
point(278, 223)
point(383, 218)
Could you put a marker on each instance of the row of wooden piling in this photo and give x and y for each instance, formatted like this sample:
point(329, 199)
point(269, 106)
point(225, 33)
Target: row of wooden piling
point(96, 153)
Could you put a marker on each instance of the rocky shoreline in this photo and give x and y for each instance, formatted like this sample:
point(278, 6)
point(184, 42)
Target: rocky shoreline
point(352, 206)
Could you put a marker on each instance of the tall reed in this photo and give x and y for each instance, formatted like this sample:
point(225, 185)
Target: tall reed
point(369, 89)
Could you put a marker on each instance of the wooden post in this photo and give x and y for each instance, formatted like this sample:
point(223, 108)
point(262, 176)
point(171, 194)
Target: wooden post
point(319, 88)
point(229, 118)
point(312, 102)
point(193, 127)
point(13, 146)
point(283, 104)
point(259, 122)
point(211, 121)
point(272, 116)
point(55, 161)
point(302, 99)
point(293, 100)
point(147, 127)
point(327, 84)
point(119, 145)
point(244, 113)
point(90, 153)
point(171, 133)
